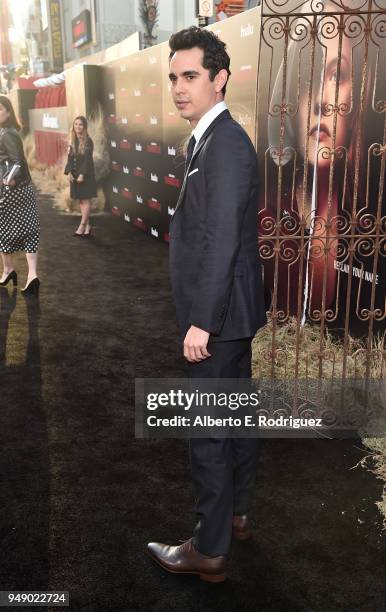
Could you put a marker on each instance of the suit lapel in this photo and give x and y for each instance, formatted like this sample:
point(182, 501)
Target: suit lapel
point(201, 143)
point(183, 187)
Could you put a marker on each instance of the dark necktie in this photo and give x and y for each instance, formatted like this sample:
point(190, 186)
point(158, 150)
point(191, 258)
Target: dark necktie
point(189, 151)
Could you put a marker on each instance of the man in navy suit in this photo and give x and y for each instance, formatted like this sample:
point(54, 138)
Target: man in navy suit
point(217, 290)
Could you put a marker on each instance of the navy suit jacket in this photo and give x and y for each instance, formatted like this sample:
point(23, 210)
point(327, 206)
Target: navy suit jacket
point(214, 266)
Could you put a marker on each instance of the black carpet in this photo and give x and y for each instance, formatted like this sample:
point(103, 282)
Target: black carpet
point(80, 497)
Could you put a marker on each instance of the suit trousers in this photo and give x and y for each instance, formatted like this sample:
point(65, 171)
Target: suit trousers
point(223, 469)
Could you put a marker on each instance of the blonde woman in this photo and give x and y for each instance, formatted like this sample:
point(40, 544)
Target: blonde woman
point(81, 173)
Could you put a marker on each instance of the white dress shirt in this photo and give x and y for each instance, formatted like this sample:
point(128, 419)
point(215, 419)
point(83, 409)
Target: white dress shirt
point(207, 119)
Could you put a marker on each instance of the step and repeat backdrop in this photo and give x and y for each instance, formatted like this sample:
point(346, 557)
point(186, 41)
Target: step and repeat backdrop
point(147, 137)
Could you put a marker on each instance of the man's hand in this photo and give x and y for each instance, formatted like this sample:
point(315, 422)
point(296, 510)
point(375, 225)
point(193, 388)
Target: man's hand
point(195, 344)
point(80, 178)
point(71, 178)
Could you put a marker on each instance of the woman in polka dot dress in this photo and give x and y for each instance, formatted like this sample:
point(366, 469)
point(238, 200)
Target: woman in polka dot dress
point(19, 221)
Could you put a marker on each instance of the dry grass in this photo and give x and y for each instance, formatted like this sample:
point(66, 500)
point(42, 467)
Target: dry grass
point(97, 132)
point(314, 360)
point(329, 357)
point(51, 180)
point(375, 462)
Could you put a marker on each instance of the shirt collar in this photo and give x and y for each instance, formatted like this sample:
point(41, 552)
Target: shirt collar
point(207, 119)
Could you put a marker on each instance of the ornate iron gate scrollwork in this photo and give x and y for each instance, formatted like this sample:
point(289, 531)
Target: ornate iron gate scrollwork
point(322, 135)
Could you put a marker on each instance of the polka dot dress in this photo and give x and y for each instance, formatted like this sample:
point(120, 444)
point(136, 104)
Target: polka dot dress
point(19, 221)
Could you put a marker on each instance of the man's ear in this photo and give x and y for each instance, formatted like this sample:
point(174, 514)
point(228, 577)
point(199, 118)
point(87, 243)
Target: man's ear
point(220, 79)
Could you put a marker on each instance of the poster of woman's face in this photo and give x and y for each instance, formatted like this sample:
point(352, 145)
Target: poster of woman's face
point(322, 195)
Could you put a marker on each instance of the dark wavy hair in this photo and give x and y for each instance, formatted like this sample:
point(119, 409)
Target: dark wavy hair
point(215, 56)
point(11, 121)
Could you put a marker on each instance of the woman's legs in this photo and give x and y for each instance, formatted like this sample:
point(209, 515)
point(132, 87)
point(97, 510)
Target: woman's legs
point(32, 261)
point(84, 226)
point(7, 265)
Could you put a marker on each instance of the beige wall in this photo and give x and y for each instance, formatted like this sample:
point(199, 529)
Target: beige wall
point(83, 80)
point(75, 91)
point(49, 119)
point(125, 47)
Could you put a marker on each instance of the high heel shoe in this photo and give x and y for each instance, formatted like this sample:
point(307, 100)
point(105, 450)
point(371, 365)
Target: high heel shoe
point(88, 234)
point(82, 234)
point(32, 288)
point(11, 276)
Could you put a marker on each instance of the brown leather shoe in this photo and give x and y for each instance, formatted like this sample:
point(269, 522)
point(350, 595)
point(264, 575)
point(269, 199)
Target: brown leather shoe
point(241, 528)
point(185, 559)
